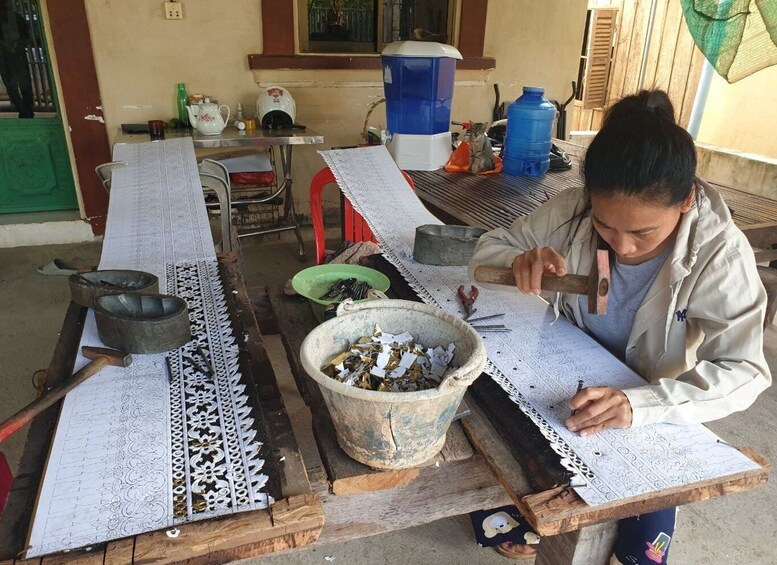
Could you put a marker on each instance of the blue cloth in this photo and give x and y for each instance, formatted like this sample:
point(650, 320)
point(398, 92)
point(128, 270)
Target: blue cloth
point(645, 539)
point(500, 525)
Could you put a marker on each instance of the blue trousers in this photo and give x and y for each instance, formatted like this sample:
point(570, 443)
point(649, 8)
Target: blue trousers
point(642, 540)
point(645, 539)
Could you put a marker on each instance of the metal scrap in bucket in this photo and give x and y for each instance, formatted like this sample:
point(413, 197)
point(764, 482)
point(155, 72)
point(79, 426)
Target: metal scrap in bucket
point(347, 288)
point(391, 363)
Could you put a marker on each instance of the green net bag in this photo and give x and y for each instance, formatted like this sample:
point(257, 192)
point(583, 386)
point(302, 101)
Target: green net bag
point(738, 37)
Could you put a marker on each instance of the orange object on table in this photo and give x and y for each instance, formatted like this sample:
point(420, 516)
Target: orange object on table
point(460, 162)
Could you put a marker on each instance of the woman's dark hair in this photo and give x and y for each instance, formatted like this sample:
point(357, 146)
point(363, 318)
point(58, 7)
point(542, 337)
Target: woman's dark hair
point(640, 151)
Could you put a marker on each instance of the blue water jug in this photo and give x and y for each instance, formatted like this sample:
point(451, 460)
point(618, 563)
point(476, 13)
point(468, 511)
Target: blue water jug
point(527, 143)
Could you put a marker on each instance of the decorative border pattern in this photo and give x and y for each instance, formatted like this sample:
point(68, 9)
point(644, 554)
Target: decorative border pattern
point(161, 442)
point(540, 362)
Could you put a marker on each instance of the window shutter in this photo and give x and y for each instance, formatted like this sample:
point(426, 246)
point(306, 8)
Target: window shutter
point(597, 72)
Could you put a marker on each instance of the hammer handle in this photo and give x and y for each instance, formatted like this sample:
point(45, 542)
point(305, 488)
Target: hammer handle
point(574, 284)
point(23, 416)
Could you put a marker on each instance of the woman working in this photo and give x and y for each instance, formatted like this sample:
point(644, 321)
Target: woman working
point(686, 305)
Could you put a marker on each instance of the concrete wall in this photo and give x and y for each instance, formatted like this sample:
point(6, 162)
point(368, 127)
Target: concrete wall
point(742, 116)
point(140, 57)
point(751, 173)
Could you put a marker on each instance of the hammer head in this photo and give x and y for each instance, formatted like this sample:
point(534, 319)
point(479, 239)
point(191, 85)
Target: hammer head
point(114, 356)
point(599, 283)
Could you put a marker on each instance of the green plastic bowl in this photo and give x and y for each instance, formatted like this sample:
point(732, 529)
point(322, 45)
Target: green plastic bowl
point(316, 281)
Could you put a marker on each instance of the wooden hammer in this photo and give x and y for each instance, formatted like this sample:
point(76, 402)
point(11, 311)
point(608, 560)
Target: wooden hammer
point(100, 357)
point(596, 285)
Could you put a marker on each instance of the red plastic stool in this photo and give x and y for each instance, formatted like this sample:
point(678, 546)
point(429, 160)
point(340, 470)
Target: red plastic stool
point(355, 228)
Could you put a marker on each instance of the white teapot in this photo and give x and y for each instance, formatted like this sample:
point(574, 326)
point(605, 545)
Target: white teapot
point(208, 120)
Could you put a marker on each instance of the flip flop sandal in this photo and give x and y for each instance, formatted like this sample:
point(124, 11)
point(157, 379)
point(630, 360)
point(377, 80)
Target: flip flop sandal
point(58, 267)
point(513, 554)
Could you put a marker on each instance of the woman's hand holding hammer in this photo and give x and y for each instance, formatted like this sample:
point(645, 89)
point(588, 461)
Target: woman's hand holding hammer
point(529, 267)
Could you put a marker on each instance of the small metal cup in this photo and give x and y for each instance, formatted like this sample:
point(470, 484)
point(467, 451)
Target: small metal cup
point(156, 129)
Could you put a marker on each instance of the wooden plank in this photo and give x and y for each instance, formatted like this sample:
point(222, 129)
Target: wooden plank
point(681, 66)
point(523, 439)
point(239, 536)
point(498, 456)
point(628, 15)
point(636, 48)
point(345, 62)
point(277, 27)
point(347, 476)
point(691, 86)
point(260, 304)
point(17, 516)
point(672, 22)
point(119, 552)
point(81, 96)
point(284, 463)
point(656, 40)
point(93, 557)
point(592, 544)
point(473, 27)
point(437, 492)
point(561, 510)
point(456, 447)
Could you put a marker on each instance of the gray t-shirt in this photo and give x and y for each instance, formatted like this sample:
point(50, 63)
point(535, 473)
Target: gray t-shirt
point(628, 286)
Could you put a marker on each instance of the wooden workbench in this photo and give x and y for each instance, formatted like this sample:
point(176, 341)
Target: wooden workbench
point(505, 442)
point(296, 518)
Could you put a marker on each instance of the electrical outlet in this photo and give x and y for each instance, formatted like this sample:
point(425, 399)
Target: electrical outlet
point(173, 11)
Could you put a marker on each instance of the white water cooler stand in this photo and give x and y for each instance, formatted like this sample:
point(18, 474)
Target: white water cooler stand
point(420, 152)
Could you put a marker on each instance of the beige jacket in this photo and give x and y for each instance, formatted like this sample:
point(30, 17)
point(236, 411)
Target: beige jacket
point(697, 338)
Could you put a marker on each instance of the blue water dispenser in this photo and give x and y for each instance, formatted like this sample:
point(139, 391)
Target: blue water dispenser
point(418, 83)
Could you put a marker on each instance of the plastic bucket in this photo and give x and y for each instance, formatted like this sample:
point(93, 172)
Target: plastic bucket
point(393, 430)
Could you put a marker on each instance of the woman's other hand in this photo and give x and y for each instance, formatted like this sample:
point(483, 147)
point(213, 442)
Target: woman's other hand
point(529, 267)
point(599, 408)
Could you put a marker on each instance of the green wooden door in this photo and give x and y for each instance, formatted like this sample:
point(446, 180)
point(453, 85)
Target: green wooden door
point(35, 171)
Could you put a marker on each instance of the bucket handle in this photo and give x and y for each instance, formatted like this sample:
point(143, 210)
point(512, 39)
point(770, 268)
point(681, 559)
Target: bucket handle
point(348, 306)
point(450, 382)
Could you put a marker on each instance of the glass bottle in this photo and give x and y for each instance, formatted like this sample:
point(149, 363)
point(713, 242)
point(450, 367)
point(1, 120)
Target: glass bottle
point(182, 100)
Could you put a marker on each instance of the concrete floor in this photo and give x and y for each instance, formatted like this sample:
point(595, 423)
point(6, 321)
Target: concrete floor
point(733, 529)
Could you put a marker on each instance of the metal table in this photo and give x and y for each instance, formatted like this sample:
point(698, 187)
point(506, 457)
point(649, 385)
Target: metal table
point(256, 138)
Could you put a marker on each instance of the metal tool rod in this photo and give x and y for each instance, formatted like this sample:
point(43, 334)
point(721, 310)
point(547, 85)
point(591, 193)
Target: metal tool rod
point(484, 318)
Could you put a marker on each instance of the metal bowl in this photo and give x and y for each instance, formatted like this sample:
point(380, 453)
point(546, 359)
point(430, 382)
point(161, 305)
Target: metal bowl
point(445, 245)
point(142, 323)
point(87, 288)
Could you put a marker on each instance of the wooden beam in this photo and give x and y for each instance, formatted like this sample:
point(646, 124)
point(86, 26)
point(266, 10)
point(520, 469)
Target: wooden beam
point(437, 492)
point(278, 27)
point(592, 544)
point(352, 62)
point(290, 523)
point(562, 510)
point(472, 31)
point(81, 95)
